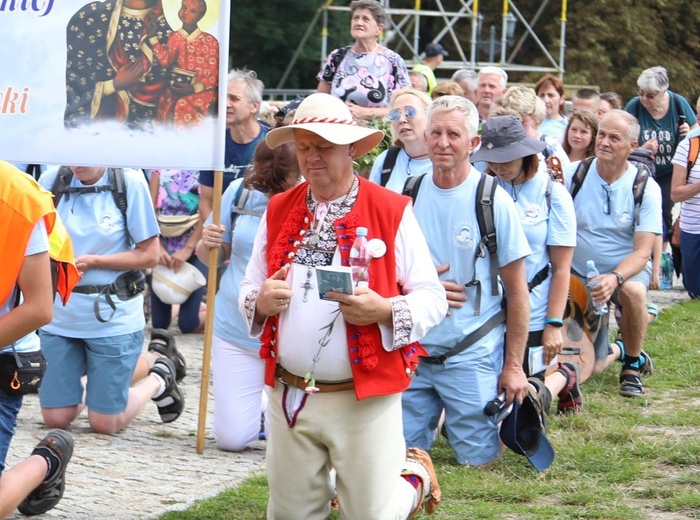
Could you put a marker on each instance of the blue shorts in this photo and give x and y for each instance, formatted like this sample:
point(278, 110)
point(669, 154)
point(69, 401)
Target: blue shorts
point(109, 364)
point(9, 408)
point(462, 388)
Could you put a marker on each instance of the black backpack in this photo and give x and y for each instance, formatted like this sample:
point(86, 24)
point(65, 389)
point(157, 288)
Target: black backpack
point(117, 186)
point(389, 163)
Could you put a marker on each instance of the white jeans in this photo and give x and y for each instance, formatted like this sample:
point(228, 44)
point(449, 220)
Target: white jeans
point(362, 440)
point(239, 399)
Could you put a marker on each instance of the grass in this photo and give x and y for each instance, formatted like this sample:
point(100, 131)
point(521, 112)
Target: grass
point(622, 459)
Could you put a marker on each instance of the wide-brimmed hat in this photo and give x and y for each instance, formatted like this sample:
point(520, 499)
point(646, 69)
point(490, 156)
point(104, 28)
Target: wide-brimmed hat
point(328, 117)
point(503, 139)
point(173, 288)
point(522, 432)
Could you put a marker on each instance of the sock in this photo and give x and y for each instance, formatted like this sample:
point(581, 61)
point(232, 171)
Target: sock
point(161, 390)
point(631, 363)
point(414, 480)
point(620, 344)
point(51, 460)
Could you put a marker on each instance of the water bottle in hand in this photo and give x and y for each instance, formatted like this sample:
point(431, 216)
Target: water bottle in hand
point(599, 308)
point(359, 259)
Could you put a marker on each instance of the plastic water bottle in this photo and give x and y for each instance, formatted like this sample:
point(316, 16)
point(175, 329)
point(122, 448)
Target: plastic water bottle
point(666, 274)
point(598, 307)
point(360, 258)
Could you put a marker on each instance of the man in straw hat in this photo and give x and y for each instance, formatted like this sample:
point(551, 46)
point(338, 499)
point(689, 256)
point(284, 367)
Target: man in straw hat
point(477, 351)
point(336, 369)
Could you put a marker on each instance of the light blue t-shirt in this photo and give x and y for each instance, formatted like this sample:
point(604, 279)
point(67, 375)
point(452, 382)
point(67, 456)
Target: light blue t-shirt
point(543, 227)
point(96, 226)
point(404, 168)
point(38, 243)
point(229, 323)
point(554, 128)
point(608, 238)
point(448, 221)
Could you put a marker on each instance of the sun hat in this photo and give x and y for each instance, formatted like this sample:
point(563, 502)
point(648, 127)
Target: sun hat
point(435, 49)
point(503, 139)
point(522, 432)
point(328, 117)
point(173, 288)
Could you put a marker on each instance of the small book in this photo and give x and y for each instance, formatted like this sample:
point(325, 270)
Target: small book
point(536, 360)
point(333, 278)
point(179, 76)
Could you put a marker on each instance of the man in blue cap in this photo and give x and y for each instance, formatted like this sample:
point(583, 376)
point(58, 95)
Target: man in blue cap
point(434, 54)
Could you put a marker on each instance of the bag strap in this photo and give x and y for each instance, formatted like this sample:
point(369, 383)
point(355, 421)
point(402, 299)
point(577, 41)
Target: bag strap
point(116, 185)
point(693, 153)
point(238, 207)
point(389, 163)
point(640, 182)
point(540, 277)
point(412, 185)
point(580, 176)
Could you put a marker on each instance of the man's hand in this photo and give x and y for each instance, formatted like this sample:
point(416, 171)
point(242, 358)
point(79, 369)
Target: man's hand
point(513, 382)
point(455, 291)
point(84, 262)
point(274, 294)
point(605, 289)
point(364, 307)
point(165, 258)
point(180, 257)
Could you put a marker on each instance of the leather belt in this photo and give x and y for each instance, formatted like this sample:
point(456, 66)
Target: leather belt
point(290, 379)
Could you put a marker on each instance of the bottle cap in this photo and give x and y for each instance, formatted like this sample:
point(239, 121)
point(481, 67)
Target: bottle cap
point(361, 231)
point(590, 265)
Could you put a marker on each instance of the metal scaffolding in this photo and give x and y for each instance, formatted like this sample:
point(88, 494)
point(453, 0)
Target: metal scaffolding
point(403, 28)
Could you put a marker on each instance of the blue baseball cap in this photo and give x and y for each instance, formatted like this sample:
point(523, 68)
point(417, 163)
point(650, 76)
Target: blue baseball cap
point(522, 432)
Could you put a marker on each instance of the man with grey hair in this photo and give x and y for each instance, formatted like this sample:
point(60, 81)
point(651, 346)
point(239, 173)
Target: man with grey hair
point(665, 118)
point(619, 237)
point(243, 133)
point(491, 85)
point(468, 364)
point(466, 78)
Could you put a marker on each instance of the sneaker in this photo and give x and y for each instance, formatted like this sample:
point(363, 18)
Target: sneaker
point(49, 492)
point(570, 398)
point(433, 494)
point(647, 369)
point(163, 343)
point(171, 402)
point(538, 393)
point(631, 385)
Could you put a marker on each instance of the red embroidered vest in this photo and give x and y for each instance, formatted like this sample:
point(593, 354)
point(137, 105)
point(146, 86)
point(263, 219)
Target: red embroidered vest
point(375, 371)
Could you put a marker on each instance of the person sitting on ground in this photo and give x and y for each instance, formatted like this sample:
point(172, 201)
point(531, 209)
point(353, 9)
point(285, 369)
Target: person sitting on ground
point(408, 117)
point(579, 138)
point(100, 332)
point(585, 99)
point(447, 88)
point(466, 78)
point(434, 55)
point(239, 398)
point(550, 89)
point(619, 237)
point(35, 484)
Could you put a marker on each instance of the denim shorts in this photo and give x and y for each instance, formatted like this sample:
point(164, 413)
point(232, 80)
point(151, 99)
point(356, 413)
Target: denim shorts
point(109, 364)
point(9, 409)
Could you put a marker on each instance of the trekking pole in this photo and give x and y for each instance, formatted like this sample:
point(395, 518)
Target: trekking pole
point(209, 321)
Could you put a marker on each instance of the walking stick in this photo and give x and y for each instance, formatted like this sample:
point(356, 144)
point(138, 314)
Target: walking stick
point(209, 321)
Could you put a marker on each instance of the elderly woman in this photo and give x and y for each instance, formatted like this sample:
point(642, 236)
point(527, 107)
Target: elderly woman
point(238, 369)
point(579, 139)
point(409, 155)
point(364, 75)
point(547, 216)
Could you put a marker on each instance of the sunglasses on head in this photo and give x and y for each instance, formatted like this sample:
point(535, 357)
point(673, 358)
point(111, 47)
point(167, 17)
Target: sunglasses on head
point(409, 112)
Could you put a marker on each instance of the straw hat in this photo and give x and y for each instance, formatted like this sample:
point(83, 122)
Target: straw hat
point(328, 117)
point(174, 288)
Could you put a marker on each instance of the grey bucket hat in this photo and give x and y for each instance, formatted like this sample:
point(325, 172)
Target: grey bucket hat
point(503, 139)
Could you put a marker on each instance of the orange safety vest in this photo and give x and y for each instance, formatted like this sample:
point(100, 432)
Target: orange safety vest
point(22, 203)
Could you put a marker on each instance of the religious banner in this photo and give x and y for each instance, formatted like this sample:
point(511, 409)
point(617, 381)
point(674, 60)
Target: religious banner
point(139, 83)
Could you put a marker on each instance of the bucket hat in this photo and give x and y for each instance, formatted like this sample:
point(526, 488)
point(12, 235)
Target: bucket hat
point(522, 432)
point(173, 288)
point(503, 139)
point(328, 117)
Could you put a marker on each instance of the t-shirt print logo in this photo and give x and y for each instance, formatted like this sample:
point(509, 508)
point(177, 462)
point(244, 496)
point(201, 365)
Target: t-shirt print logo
point(462, 236)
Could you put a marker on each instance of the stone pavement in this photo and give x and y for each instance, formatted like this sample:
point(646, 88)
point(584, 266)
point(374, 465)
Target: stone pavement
point(153, 467)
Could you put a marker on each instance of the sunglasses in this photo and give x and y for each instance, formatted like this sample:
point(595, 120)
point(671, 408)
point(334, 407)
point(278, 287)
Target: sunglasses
point(409, 112)
point(648, 95)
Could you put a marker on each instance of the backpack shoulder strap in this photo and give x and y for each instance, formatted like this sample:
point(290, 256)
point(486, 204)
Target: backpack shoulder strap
point(118, 188)
point(412, 185)
point(487, 227)
point(389, 162)
point(640, 182)
point(693, 152)
point(548, 193)
point(580, 176)
point(238, 208)
point(61, 183)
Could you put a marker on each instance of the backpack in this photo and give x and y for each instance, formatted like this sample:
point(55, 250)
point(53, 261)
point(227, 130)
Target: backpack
point(693, 152)
point(238, 207)
point(389, 163)
point(640, 182)
point(117, 186)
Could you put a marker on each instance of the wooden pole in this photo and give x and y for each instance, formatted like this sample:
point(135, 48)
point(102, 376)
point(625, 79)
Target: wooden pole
point(209, 322)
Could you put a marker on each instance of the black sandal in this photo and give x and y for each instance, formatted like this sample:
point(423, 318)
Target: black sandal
point(631, 385)
point(163, 343)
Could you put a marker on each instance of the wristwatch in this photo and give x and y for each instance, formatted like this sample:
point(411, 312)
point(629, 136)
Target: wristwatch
point(620, 278)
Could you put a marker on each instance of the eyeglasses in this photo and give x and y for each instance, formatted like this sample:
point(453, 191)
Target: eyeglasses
point(648, 95)
point(409, 112)
point(606, 205)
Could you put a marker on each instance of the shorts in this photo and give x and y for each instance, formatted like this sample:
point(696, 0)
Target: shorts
point(599, 325)
point(108, 362)
point(9, 409)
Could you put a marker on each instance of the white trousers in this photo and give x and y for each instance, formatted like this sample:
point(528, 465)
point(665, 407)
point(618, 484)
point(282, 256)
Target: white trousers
point(362, 440)
point(239, 397)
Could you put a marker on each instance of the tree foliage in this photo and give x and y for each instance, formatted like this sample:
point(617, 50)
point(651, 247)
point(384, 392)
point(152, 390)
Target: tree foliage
point(608, 42)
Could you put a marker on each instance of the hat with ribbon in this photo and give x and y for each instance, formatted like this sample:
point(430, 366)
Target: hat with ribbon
point(328, 117)
point(503, 139)
point(173, 288)
point(522, 432)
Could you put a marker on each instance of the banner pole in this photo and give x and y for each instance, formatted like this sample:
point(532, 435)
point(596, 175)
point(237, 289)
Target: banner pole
point(209, 322)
